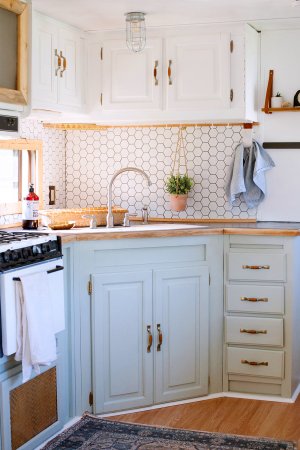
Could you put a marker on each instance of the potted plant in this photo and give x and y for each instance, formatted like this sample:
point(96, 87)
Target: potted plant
point(178, 186)
point(276, 101)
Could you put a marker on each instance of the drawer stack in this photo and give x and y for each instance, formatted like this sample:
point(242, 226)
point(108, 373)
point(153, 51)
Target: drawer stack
point(257, 350)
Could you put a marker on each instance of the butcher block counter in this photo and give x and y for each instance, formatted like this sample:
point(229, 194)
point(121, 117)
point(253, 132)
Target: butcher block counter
point(167, 228)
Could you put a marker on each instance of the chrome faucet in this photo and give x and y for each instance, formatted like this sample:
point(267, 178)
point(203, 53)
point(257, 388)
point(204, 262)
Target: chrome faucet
point(110, 217)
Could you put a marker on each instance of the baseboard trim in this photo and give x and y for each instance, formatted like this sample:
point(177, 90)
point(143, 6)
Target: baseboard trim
point(268, 398)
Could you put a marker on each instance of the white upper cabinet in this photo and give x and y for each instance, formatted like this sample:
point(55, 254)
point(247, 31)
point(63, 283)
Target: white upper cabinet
point(131, 80)
point(198, 74)
point(56, 65)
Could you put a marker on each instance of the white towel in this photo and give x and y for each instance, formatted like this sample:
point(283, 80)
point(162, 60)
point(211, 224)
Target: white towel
point(36, 343)
point(235, 184)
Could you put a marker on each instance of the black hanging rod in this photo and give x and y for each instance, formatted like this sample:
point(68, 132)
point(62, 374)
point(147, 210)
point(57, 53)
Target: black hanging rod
point(282, 145)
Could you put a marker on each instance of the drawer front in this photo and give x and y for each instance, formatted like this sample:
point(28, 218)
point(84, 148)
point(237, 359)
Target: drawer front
point(254, 331)
point(256, 266)
point(255, 299)
point(266, 363)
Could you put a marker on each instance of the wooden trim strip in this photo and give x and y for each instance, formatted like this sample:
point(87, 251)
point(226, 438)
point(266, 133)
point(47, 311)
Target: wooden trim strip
point(194, 221)
point(281, 145)
point(93, 126)
point(290, 108)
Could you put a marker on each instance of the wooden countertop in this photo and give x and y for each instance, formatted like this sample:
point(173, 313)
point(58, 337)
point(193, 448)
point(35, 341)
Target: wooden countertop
point(198, 228)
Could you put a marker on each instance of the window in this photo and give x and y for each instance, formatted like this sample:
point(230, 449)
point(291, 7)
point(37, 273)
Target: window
point(20, 165)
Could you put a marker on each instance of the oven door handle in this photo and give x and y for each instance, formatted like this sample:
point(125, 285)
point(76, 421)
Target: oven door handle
point(57, 269)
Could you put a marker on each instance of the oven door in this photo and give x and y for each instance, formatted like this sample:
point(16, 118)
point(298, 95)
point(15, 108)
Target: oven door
point(8, 300)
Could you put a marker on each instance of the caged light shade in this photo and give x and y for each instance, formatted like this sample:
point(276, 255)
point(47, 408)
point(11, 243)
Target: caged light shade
point(135, 31)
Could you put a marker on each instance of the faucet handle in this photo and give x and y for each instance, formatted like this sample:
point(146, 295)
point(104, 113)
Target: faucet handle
point(93, 221)
point(145, 214)
point(126, 221)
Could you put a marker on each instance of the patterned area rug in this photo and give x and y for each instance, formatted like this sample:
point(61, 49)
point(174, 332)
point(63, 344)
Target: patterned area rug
point(92, 433)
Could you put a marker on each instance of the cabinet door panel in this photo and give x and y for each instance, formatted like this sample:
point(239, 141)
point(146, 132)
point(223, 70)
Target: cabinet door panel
point(181, 305)
point(200, 71)
point(128, 78)
point(70, 81)
point(122, 367)
point(44, 61)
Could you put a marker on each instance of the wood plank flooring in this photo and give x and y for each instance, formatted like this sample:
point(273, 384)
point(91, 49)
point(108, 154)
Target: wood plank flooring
point(227, 415)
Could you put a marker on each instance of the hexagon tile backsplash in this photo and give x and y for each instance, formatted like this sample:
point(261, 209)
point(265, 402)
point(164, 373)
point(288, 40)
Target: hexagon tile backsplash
point(81, 163)
point(93, 156)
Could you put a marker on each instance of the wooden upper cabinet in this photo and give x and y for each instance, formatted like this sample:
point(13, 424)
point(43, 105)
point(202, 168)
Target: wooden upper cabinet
point(132, 80)
point(198, 74)
point(14, 52)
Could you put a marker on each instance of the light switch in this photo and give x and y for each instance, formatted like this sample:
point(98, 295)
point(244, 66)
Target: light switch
point(51, 195)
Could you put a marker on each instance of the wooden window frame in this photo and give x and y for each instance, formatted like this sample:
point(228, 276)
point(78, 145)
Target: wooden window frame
point(18, 96)
point(26, 145)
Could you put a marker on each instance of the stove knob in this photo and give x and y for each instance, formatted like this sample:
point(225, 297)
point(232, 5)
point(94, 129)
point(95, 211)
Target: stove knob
point(25, 252)
point(45, 248)
point(6, 256)
point(36, 250)
point(14, 255)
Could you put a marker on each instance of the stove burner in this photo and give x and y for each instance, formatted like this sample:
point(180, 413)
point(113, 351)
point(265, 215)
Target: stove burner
point(17, 236)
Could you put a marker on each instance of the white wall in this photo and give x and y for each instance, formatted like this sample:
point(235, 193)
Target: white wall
point(280, 52)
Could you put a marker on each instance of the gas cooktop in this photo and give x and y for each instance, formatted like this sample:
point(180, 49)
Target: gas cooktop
point(22, 248)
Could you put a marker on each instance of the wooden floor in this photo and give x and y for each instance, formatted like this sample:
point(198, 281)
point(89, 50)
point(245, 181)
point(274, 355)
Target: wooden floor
point(228, 415)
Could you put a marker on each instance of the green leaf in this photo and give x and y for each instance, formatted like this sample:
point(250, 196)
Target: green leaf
point(179, 184)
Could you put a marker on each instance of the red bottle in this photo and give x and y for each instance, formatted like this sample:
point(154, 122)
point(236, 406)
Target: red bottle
point(30, 210)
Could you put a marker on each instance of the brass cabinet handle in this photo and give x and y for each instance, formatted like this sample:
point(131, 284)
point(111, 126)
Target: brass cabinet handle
point(244, 330)
point(256, 267)
point(155, 73)
point(150, 339)
point(254, 363)
point(160, 337)
point(170, 72)
point(58, 68)
point(64, 62)
point(254, 299)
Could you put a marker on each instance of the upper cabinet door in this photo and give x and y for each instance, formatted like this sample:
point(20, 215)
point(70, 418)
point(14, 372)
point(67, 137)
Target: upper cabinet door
point(132, 80)
point(70, 77)
point(198, 74)
point(44, 61)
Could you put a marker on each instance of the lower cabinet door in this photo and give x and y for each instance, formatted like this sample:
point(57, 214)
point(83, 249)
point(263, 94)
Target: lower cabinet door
point(122, 334)
point(181, 333)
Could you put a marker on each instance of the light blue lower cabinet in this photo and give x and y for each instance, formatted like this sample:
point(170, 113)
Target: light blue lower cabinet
point(146, 324)
point(149, 340)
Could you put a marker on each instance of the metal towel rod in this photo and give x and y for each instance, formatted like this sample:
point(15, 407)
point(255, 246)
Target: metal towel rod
point(57, 269)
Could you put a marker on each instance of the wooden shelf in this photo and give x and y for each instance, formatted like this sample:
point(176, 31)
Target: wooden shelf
point(270, 110)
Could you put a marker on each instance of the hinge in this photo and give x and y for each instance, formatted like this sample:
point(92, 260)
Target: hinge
point(231, 46)
point(101, 98)
point(231, 95)
point(90, 288)
point(209, 279)
point(91, 399)
point(101, 54)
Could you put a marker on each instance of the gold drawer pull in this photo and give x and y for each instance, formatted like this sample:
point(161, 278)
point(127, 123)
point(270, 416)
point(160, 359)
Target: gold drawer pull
point(150, 339)
point(254, 299)
point(170, 72)
point(160, 337)
point(244, 330)
point(254, 363)
point(255, 267)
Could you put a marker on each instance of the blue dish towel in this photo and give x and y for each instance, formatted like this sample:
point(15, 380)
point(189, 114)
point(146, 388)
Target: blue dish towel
point(247, 174)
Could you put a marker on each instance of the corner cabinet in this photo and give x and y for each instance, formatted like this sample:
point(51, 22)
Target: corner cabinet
point(261, 315)
point(147, 326)
point(56, 65)
point(199, 73)
point(150, 341)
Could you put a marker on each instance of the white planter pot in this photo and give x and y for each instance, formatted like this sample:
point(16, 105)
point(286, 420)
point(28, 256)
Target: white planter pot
point(276, 102)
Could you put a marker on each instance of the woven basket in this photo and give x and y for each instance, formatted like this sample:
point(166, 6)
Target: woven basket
point(56, 216)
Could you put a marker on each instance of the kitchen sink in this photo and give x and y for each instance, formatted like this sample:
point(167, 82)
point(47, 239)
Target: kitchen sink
point(137, 227)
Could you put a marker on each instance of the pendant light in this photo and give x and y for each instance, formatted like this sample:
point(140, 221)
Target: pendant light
point(135, 31)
